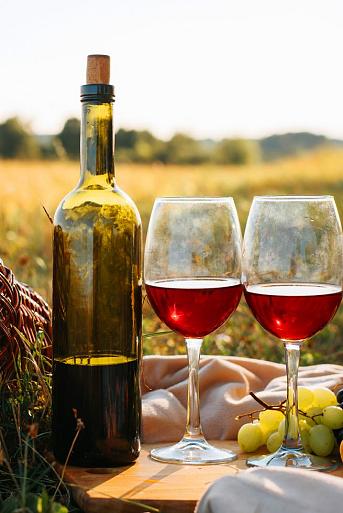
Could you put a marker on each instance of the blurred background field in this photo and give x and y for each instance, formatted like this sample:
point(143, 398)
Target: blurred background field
point(212, 98)
point(25, 231)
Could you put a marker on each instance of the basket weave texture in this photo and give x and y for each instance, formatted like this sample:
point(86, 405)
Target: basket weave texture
point(21, 310)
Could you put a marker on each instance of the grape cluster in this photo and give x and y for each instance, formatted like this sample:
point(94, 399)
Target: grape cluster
point(320, 424)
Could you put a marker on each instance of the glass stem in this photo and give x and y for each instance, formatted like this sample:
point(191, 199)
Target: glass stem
point(292, 438)
point(193, 426)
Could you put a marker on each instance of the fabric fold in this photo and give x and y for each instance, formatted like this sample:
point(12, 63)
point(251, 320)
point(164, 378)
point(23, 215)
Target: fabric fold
point(275, 490)
point(225, 383)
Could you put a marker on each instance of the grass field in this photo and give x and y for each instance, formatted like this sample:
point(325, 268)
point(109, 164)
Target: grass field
point(25, 231)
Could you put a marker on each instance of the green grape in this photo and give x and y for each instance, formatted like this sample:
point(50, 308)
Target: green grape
point(316, 415)
point(274, 442)
point(322, 440)
point(308, 421)
point(305, 398)
point(250, 437)
point(323, 397)
point(271, 419)
point(265, 432)
point(333, 417)
point(305, 426)
point(305, 439)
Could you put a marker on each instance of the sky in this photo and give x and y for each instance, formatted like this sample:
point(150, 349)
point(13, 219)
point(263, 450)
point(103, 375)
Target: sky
point(210, 68)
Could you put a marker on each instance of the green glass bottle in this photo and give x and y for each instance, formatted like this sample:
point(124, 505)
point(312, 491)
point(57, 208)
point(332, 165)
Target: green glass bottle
point(97, 299)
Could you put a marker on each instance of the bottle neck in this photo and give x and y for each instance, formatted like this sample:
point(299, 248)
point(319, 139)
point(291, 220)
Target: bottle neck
point(97, 145)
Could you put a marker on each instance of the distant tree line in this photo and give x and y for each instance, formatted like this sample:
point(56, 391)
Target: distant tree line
point(18, 141)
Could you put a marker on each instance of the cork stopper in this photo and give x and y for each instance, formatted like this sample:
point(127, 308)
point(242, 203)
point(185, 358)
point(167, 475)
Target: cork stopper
point(98, 69)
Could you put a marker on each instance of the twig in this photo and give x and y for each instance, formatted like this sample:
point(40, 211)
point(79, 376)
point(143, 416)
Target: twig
point(150, 335)
point(278, 407)
point(265, 405)
point(23, 484)
point(79, 427)
point(50, 465)
point(48, 215)
point(6, 461)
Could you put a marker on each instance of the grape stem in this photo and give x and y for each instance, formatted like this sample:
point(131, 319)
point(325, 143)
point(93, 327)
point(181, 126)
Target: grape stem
point(268, 406)
point(338, 385)
point(279, 407)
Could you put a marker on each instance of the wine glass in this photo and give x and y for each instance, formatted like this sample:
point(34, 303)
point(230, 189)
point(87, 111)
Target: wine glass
point(292, 277)
point(192, 275)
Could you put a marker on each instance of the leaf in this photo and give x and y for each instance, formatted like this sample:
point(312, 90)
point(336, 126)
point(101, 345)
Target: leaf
point(43, 503)
point(56, 507)
point(34, 503)
point(10, 505)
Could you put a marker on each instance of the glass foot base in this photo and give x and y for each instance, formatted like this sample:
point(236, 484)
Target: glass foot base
point(293, 459)
point(192, 452)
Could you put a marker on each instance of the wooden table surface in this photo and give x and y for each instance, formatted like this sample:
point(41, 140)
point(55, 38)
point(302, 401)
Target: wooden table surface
point(169, 488)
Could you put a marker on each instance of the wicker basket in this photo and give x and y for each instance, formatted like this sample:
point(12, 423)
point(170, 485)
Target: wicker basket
point(21, 310)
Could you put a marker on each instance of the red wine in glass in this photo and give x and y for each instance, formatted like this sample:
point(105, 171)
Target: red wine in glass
point(295, 242)
point(192, 274)
point(194, 307)
point(293, 311)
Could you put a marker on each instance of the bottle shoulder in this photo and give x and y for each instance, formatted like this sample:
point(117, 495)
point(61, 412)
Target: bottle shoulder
point(91, 204)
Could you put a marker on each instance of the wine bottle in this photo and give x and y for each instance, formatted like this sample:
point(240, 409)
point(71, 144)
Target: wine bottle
point(97, 299)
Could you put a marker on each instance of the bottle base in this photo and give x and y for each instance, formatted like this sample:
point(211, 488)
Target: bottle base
point(95, 465)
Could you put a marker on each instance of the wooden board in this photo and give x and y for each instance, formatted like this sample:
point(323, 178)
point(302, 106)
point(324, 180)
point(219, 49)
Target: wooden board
point(168, 488)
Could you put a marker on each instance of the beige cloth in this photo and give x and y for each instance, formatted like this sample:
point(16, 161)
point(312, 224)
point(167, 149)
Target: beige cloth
point(225, 383)
point(274, 491)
